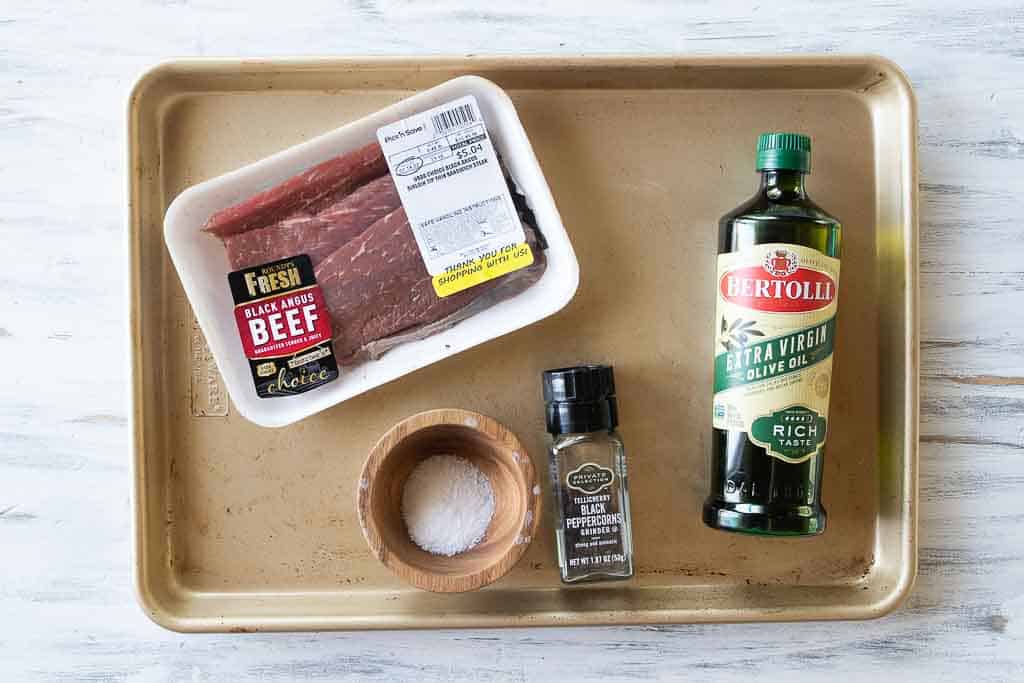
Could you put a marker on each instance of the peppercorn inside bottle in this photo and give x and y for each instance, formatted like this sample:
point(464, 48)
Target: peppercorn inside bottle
point(588, 475)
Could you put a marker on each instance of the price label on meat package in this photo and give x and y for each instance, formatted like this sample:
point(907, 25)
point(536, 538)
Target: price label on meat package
point(455, 196)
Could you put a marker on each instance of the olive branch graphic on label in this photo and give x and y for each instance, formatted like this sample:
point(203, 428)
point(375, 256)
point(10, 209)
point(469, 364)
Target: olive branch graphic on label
point(736, 335)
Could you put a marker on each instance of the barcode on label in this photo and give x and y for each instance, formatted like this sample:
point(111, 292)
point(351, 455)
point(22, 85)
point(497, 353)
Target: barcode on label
point(453, 118)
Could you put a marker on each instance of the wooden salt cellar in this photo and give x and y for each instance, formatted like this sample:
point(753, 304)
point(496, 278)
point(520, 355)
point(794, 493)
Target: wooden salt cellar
point(500, 456)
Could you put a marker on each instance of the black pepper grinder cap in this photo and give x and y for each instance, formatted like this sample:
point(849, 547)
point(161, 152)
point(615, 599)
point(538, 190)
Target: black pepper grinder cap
point(580, 399)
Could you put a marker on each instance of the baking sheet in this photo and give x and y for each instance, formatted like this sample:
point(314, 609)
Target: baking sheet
point(243, 528)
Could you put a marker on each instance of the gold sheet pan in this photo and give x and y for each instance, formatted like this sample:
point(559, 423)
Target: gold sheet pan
point(239, 528)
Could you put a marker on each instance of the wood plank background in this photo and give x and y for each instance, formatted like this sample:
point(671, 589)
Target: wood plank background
point(66, 606)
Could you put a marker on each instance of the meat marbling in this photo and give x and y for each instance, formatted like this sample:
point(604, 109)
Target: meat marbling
point(302, 193)
point(315, 235)
point(379, 292)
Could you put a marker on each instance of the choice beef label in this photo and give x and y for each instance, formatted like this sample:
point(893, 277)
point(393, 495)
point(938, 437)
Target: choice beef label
point(284, 326)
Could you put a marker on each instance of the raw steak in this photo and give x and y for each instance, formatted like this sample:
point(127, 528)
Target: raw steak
point(379, 293)
point(305, 193)
point(317, 236)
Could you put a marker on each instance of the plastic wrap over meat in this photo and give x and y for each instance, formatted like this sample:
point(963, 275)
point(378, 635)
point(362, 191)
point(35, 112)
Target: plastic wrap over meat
point(345, 214)
point(380, 294)
point(315, 234)
point(302, 194)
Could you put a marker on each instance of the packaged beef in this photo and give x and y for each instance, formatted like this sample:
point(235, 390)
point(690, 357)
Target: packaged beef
point(345, 214)
point(340, 264)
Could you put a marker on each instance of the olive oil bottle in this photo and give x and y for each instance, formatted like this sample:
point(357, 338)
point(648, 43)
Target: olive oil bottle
point(777, 293)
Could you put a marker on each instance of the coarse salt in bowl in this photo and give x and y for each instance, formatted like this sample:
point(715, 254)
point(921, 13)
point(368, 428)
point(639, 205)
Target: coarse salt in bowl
point(488, 446)
point(447, 505)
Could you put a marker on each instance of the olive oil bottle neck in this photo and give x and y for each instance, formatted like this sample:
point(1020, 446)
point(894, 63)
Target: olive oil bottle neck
point(783, 185)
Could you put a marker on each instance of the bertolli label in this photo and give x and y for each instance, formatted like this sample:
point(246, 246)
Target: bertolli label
point(775, 330)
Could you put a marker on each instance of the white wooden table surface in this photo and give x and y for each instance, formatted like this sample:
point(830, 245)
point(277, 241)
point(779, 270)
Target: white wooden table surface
point(66, 604)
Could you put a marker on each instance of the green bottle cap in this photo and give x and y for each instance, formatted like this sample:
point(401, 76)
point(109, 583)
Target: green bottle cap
point(784, 152)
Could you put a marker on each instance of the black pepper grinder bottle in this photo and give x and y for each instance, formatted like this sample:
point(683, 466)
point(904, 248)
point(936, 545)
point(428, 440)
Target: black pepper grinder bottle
point(588, 475)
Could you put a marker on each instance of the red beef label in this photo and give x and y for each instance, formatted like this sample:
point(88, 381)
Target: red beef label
point(284, 324)
point(284, 327)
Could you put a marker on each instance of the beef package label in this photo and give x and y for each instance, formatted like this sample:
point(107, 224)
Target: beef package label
point(284, 325)
point(455, 196)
